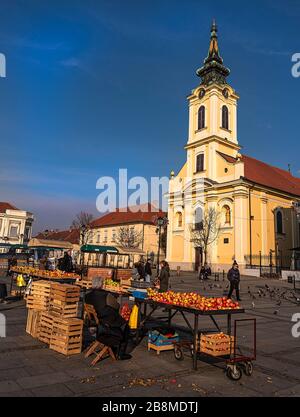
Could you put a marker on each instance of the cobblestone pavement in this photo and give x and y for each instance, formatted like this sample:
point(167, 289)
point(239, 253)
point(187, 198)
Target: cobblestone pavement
point(28, 368)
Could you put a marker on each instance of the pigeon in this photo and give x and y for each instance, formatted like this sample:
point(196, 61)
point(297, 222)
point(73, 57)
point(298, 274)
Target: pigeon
point(276, 312)
point(278, 303)
point(253, 304)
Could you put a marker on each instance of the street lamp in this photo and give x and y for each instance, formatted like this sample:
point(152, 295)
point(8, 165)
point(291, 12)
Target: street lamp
point(160, 222)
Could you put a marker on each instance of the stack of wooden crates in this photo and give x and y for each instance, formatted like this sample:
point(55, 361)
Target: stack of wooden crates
point(52, 312)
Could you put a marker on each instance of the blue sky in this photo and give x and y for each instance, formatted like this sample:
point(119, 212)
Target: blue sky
point(94, 86)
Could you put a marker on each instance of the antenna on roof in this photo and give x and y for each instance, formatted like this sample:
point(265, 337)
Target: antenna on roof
point(289, 168)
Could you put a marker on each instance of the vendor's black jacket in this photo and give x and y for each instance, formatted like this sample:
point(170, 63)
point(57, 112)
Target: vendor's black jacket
point(107, 315)
point(233, 275)
point(148, 270)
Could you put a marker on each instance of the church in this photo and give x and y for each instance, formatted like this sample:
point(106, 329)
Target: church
point(254, 206)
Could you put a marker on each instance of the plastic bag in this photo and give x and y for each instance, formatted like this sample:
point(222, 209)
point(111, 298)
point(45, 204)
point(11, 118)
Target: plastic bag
point(133, 321)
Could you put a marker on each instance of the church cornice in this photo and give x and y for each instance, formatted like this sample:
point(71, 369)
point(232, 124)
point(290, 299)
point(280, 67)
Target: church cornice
point(210, 139)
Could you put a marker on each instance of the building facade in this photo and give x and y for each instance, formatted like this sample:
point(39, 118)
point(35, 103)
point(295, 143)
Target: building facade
point(15, 224)
point(106, 231)
point(255, 202)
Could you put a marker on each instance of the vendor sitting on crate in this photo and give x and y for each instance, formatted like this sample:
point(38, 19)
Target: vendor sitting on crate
point(112, 323)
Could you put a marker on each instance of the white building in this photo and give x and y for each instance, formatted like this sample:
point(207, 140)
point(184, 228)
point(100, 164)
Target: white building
point(15, 224)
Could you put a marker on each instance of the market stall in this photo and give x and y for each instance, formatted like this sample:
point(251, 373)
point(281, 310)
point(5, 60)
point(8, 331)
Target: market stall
point(107, 263)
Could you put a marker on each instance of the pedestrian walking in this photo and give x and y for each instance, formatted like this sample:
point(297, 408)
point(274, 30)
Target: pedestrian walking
point(234, 279)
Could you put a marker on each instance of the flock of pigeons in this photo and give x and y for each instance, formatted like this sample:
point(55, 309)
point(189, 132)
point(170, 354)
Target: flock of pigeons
point(277, 295)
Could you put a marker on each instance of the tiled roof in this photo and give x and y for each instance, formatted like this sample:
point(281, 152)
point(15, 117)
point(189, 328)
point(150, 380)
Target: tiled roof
point(120, 216)
point(71, 236)
point(6, 206)
point(264, 174)
point(261, 173)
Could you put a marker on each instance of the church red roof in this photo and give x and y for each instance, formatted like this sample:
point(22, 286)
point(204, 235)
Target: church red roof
point(264, 174)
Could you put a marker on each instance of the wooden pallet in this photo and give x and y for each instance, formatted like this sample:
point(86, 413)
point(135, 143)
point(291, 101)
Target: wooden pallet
point(66, 336)
point(160, 348)
point(211, 344)
point(46, 326)
point(33, 322)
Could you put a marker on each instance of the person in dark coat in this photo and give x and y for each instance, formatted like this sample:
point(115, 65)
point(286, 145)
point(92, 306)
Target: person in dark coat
point(67, 263)
point(112, 324)
point(148, 271)
point(141, 270)
point(164, 276)
point(234, 279)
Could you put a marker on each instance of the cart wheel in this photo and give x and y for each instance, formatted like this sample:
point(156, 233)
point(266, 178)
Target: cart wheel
point(178, 354)
point(248, 368)
point(234, 372)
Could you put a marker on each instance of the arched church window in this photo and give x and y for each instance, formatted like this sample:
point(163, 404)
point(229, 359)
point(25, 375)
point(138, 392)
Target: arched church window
point(201, 118)
point(279, 222)
point(227, 215)
point(198, 218)
point(179, 219)
point(225, 123)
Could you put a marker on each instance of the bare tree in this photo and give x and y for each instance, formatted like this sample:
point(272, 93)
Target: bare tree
point(206, 231)
point(82, 223)
point(128, 237)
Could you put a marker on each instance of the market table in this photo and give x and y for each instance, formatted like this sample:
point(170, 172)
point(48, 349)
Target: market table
point(183, 311)
point(42, 275)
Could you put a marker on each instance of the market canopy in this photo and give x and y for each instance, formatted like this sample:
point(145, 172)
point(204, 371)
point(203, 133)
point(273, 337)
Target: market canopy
point(99, 249)
point(12, 245)
point(49, 244)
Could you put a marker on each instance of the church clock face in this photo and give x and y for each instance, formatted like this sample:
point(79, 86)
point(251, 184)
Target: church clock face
point(201, 93)
point(225, 93)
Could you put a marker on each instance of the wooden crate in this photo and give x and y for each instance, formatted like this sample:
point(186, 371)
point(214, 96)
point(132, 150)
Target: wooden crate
point(66, 336)
point(218, 344)
point(65, 292)
point(38, 299)
point(40, 288)
point(160, 348)
point(64, 300)
point(37, 303)
point(33, 322)
point(46, 326)
point(64, 310)
point(83, 283)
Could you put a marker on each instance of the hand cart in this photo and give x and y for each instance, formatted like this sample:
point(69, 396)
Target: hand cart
point(235, 363)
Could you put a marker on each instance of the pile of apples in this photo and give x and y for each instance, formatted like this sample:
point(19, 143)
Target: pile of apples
point(193, 300)
point(28, 270)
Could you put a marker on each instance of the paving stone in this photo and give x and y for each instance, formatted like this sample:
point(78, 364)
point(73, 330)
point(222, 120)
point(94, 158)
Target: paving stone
point(12, 374)
point(56, 390)
point(30, 382)
point(7, 386)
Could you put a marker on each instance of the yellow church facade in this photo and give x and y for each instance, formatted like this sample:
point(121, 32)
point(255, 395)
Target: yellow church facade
point(256, 204)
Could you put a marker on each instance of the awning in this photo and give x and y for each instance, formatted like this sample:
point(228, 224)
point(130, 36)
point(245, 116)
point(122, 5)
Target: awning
point(49, 244)
point(130, 251)
point(14, 246)
point(99, 249)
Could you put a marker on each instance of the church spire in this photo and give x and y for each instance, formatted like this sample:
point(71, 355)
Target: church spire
point(213, 70)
